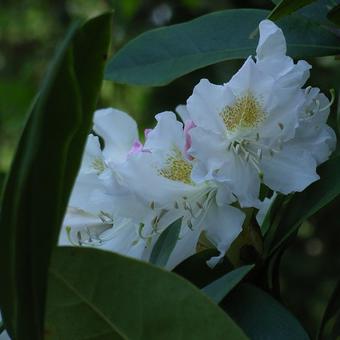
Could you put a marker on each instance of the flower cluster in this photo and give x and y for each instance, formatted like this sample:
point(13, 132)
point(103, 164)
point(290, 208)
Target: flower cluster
point(261, 128)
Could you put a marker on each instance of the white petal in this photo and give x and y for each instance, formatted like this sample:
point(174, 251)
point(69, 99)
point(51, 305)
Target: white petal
point(80, 223)
point(292, 169)
point(209, 150)
point(93, 161)
point(141, 175)
point(250, 79)
point(313, 133)
point(167, 134)
point(264, 207)
point(91, 194)
point(119, 132)
point(183, 112)
point(284, 71)
point(242, 178)
point(272, 42)
point(185, 246)
point(222, 225)
point(282, 114)
point(206, 103)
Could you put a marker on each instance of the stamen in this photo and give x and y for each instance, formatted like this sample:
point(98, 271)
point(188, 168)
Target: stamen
point(307, 90)
point(246, 112)
point(177, 168)
point(332, 92)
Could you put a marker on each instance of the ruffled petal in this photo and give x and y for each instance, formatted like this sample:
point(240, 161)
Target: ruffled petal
point(119, 132)
point(167, 134)
point(292, 169)
point(272, 42)
point(222, 226)
point(206, 103)
point(93, 161)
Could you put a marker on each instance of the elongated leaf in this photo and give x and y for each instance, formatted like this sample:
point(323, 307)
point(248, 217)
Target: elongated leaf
point(318, 11)
point(220, 288)
point(305, 204)
point(159, 56)
point(285, 7)
point(332, 310)
point(100, 295)
point(165, 244)
point(262, 317)
point(334, 15)
point(196, 270)
point(42, 175)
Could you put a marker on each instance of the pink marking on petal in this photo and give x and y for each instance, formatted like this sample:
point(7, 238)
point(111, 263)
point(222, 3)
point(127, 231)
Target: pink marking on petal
point(146, 132)
point(137, 147)
point(189, 124)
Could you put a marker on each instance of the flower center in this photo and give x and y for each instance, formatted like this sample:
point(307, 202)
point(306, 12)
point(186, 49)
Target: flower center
point(177, 168)
point(246, 112)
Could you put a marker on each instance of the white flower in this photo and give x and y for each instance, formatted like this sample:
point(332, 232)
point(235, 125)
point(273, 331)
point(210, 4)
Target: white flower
point(93, 217)
point(161, 176)
point(253, 128)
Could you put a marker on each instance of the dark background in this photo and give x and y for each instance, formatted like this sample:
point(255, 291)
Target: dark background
point(29, 32)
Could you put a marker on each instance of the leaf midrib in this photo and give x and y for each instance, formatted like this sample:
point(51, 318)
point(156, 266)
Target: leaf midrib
point(97, 311)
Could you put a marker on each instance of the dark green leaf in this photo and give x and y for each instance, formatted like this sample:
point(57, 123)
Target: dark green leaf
point(218, 289)
point(42, 175)
point(318, 11)
point(272, 214)
point(196, 270)
point(285, 7)
point(332, 310)
point(159, 56)
point(165, 244)
point(261, 316)
point(306, 203)
point(338, 114)
point(101, 295)
point(334, 15)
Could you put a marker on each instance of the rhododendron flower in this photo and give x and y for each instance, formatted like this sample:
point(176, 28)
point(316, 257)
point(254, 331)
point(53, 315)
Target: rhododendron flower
point(261, 126)
point(91, 218)
point(161, 175)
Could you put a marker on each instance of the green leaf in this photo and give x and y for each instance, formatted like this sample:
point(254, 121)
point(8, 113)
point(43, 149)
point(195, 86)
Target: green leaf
point(306, 203)
point(42, 174)
point(286, 7)
point(159, 56)
point(218, 289)
point(332, 311)
point(338, 115)
point(318, 11)
point(165, 244)
point(196, 270)
point(101, 295)
point(261, 316)
point(334, 15)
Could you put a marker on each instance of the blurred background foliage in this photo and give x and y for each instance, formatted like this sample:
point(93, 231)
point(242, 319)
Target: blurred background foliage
point(29, 32)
